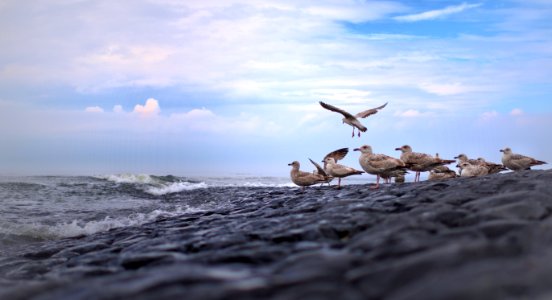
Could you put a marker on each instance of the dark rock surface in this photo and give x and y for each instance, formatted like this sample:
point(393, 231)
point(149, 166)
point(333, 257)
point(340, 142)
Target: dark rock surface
point(466, 238)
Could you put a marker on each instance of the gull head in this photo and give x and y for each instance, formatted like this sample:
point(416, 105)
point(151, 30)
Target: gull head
point(506, 150)
point(461, 157)
point(294, 164)
point(329, 160)
point(404, 148)
point(364, 149)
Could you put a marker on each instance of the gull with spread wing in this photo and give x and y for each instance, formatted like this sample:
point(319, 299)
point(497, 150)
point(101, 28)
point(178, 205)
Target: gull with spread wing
point(353, 120)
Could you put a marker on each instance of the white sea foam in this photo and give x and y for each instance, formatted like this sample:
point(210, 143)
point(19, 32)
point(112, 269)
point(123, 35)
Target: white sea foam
point(157, 186)
point(129, 178)
point(78, 227)
point(175, 187)
point(262, 184)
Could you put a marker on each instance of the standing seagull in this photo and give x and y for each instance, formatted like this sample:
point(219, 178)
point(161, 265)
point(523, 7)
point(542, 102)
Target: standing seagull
point(304, 179)
point(336, 155)
point(352, 120)
point(380, 165)
point(517, 162)
point(470, 170)
point(420, 162)
point(336, 170)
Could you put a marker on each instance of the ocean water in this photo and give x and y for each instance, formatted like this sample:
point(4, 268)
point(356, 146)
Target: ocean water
point(34, 209)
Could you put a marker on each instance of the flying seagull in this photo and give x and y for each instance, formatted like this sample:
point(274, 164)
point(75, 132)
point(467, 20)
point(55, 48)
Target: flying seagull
point(352, 120)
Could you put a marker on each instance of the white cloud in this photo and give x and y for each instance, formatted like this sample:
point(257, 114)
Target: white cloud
point(94, 109)
point(516, 112)
point(285, 52)
point(445, 89)
point(204, 120)
point(489, 115)
point(353, 11)
point(411, 113)
point(151, 108)
point(118, 109)
point(437, 13)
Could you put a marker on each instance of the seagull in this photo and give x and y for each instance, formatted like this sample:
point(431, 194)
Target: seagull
point(420, 162)
point(336, 155)
point(380, 165)
point(464, 158)
point(443, 172)
point(304, 179)
point(517, 162)
point(471, 170)
point(352, 120)
point(492, 167)
point(339, 171)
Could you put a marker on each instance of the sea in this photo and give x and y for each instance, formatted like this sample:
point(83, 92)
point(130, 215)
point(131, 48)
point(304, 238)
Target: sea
point(41, 208)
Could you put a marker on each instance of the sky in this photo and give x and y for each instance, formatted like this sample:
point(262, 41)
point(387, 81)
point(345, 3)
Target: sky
point(231, 87)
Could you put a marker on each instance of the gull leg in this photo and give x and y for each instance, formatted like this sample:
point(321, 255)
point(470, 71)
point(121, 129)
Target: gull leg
point(358, 133)
point(376, 186)
point(353, 135)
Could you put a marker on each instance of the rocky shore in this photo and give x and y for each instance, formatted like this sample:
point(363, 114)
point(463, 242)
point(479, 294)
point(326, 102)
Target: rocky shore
point(468, 238)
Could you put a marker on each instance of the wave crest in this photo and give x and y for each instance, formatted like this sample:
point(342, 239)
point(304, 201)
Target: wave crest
point(78, 227)
point(156, 185)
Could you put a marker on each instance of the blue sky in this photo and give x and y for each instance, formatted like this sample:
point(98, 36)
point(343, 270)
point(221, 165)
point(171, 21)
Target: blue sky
point(217, 87)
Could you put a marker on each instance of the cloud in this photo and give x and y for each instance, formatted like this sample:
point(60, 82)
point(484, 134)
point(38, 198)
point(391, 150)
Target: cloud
point(118, 109)
point(353, 12)
point(516, 112)
point(445, 89)
point(94, 109)
point(408, 113)
point(151, 108)
point(489, 116)
point(437, 13)
point(204, 120)
point(278, 52)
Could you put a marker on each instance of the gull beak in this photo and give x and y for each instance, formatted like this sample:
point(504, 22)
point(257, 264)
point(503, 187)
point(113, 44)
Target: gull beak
point(356, 149)
point(456, 157)
point(502, 150)
point(397, 149)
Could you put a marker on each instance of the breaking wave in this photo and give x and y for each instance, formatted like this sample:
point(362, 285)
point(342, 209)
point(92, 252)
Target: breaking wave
point(163, 185)
point(75, 228)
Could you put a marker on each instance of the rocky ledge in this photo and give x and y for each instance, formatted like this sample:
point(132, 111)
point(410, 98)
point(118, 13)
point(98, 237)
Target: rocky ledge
point(468, 238)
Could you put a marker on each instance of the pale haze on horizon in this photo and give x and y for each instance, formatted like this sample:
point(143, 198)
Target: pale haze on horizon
point(231, 87)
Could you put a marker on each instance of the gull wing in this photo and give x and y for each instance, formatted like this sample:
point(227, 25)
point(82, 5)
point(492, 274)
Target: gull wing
point(318, 168)
point(335, 109)
point(369, 112)
point(337, 154)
